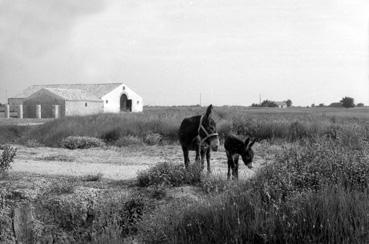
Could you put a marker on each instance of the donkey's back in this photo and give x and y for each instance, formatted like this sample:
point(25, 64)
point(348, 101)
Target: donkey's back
point(188, 131)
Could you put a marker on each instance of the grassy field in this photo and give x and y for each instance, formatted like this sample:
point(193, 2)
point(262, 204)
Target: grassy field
point(263, 123)
point(313, 190)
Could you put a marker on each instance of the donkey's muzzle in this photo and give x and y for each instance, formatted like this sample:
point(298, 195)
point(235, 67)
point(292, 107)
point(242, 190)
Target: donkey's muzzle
point(214, 144)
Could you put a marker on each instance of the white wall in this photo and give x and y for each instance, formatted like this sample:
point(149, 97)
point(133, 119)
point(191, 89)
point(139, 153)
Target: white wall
point(112, 100)
point(81, 108)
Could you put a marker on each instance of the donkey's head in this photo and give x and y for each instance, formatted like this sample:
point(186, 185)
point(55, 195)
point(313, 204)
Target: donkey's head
point(247, 153)
point(208, 130)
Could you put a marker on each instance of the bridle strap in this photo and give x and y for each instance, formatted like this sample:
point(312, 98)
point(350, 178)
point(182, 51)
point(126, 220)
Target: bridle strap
point(208, 135)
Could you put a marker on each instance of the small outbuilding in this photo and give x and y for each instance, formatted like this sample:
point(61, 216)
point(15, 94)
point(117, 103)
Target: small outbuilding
point(281, 104)
point(56, 102)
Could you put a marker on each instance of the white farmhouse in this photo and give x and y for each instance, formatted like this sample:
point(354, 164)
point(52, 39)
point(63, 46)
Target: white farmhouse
point(282, 104)
point(78, 99)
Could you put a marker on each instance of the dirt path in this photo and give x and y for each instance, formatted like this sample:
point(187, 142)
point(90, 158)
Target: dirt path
point(112, 163)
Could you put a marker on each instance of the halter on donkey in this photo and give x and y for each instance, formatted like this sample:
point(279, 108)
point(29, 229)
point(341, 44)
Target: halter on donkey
point(208, 135)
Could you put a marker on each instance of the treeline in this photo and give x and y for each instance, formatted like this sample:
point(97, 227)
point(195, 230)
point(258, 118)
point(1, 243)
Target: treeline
point(272, 104)
point(345, 102)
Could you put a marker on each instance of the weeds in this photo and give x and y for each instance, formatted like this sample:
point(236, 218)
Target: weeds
point(7, 157)
point(62, 187)
point(95, 177)
point(81, 142)
point(128, 141)
point(58, 157)
point(315, 192)
point(170, 175)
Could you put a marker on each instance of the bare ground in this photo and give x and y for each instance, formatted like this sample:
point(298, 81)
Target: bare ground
point(117, 163)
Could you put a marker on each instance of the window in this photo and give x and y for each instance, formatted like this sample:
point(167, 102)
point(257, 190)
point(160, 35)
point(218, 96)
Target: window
point(106, 101)
point(85, 104)
point(124, 88)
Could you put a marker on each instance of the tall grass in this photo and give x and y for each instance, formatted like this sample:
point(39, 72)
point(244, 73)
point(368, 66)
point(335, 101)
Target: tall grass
point(290, 124)
point(315, 192)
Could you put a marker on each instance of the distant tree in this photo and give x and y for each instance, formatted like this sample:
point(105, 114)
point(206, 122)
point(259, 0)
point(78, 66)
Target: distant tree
point(289, 103)
point(313, 105)
point(360, 105)
point(267, 103)
point(321, 105)
point(347, 102)
point(255, 105)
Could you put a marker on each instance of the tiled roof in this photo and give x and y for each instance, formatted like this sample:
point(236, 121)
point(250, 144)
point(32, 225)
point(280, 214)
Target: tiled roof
point(98, 90)
point(73, 94)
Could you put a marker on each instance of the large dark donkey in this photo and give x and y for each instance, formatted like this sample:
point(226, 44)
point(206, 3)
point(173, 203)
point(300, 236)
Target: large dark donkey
point(235, 147)
point(199, 133)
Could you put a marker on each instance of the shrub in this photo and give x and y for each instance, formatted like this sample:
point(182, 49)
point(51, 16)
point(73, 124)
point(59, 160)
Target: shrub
point(62, 187)
point(111, 136)
point(95, 177)
point(153, 139)
point(170, 174)
point(7, 157)
point(81, 142)
point(132, 213)
point(158, 192)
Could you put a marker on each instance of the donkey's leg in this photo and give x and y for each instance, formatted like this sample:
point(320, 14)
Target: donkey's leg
point(202, 157)
point(208, 160)
point(185, 155)
point(235, 168)
point(230, 164)
point(198, 149)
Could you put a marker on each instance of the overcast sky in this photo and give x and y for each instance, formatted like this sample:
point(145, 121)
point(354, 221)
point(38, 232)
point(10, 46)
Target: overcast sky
point(170, 51)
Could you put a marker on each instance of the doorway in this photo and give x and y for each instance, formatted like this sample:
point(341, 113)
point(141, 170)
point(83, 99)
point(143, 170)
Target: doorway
point(125, 104)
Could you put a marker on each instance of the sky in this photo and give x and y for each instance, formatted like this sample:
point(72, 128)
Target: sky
point(232, 52)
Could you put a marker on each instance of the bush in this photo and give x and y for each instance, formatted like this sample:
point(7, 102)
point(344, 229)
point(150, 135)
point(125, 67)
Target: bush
point(153, 139)
point(132, 213)
point(170, 174)
point(111, 136)
point(7, 157)
point(81, 142)
point(95, 177)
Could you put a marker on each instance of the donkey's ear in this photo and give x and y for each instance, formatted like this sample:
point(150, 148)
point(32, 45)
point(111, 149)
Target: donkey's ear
point(208, 110)
point(252, 143)
point(247, 141)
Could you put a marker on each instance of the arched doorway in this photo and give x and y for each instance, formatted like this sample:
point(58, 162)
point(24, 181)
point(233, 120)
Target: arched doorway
point(125, 104)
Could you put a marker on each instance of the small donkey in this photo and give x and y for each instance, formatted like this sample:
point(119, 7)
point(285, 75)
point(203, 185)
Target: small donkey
point(234, 147)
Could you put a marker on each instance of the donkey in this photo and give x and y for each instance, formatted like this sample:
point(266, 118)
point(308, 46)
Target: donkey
point(199, 133)
point(234, 147)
